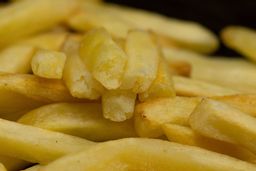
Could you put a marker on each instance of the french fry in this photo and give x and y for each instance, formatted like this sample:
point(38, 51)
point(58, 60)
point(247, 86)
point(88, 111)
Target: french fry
point(220, 121)
point(40, 89)
point(180, 67)
point(151, 115)
point(47, 41)
point(103, 57)
point(191, 87)
point(16, 59)
point(48, 64)
point(77, 76)
point(26, 17)
point(2, 168)
point(95, 16)
point(235, 73)
point(244, 102)
point(119, 20)
point(13, 164)
point(241, 39)
point(144, 56)
point(185, 135)
point(37, 145)
point(147, 154)
point(118, 105)
point(162, 86)
point(33, 168)
point(79, 119)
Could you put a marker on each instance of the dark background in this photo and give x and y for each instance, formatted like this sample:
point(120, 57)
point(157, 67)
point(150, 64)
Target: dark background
point(214, 14)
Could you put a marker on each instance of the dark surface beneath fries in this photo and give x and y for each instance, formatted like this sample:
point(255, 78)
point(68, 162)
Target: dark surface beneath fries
point(214, 14)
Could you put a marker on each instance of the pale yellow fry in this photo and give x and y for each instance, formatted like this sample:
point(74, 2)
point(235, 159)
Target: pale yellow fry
point(147, 154)
point(48, 40)
point(27, 17)
point(77, 76)
point(79, 119)
point(220, 121)
point(95, 16)
point(16, 59)
point(103, 57)
point(118, 105)
point(151, 115)
point(37, 145)
point(143, 61)
point(2, 167)
point(13, 164)
point(243, 102)
point(235, 73)
point(48, 64)
point(162, 86)
point(187, 136)
point(33, 168)
point(241, 39)
point(32, 87)
point(191, 87)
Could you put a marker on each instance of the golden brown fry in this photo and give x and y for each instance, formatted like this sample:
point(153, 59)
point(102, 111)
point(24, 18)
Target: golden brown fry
point(37, 145)
point(235, 73)
point(150, 116)
point(47, 41)
point(241, 39)
point(79, 119)
point(162, 86)
point(13, 164)
point(220, 121)
point(147, 154)
point(16, 59)
point(105, 59)
point(187, 136)
point(143, 60)
point(27, 17)
point(76, 75)
point(191, 87)
point(48, 64)
point(180, 67)
point(118, 105)
point(243, 102)
point(33, 87)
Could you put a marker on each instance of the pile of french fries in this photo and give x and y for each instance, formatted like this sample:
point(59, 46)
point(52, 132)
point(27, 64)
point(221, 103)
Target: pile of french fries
point(91, 86)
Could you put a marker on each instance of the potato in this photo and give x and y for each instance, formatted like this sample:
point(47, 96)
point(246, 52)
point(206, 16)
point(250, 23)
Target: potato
point(151, 115)
point(118, 105)
point(37, 145)
point(235, 73)
point(220, 121)
point(13, 164)
point(48, 64)
point(162, 86)
point(77, 76)
point(16, 59)
point(27, 17)
point(241, 39)
point(147, 154)
point(48, 41)
point(105, 59)
point(118, 20)
point(191, 87)
point(144, 56)
point(79, 119)
point(185, 135)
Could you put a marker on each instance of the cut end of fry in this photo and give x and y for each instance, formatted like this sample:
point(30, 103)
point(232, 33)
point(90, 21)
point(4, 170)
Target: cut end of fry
point(118, 105)
point(48, 64)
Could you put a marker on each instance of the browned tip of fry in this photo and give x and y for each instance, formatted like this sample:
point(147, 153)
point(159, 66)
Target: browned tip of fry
point(180, 67)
